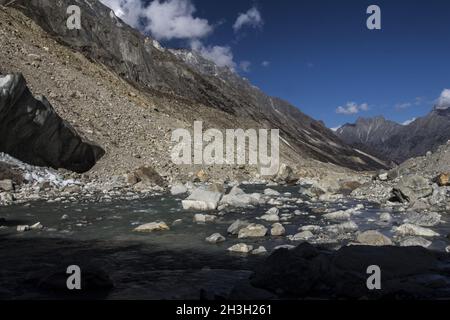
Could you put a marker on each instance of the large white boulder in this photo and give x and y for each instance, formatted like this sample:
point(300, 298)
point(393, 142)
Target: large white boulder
point(202, 200)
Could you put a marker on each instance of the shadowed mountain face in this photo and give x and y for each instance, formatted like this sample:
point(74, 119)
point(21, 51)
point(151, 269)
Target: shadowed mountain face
point(186, 76)
point(391, 141)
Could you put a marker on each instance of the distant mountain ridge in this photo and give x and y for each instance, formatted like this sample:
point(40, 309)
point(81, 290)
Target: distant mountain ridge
point(391, 141)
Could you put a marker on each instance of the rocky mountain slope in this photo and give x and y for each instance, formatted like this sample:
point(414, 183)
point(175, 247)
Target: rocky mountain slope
point(394, 142)
point(159, 73)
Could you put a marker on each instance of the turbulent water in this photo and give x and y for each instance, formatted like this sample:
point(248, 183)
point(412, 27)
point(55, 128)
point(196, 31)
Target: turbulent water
point(175, 264)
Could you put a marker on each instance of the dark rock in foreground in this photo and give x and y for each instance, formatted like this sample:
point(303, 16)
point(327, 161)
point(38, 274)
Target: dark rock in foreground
point(309, 272)
point(31, 131)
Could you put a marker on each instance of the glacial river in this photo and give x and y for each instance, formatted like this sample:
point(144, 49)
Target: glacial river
point(175, 264)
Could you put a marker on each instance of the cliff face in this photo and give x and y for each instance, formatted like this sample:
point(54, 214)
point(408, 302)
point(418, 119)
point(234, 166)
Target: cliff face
point(164, 73)
point(31, 131)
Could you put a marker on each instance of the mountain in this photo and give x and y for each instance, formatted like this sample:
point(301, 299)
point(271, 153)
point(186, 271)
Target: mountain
point(174, 88)
point(370, 134)
point(394, 142)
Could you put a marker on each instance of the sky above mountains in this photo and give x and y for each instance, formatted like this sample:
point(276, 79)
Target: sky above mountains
point(319, 55)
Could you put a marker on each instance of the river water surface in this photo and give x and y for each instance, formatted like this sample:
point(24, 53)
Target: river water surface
point(175, 264)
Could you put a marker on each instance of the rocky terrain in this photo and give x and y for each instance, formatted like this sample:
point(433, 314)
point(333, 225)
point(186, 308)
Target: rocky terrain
point(394, 142)
point(100, 168)
point(221, 100)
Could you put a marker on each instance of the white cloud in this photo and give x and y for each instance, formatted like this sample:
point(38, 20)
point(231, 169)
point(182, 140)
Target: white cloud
point(417, 102)
point(407, 122)
point(251, 18)
point(245, 66)
point(222, 56)
point(352, 108)
point(444, 100)
point(165, 20)
point(265, 63)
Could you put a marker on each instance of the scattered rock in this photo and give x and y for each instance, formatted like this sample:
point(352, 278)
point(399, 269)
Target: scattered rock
point(37, 226)
point(177, 222)
point(271, 215)
point(412, 188)
point(237, 226)
point(259, 251)
point(6, 185)
point(413, 230)
point(153, 226)
point(149, 176)
point(215, 238)
point(241, 248)
point(271, 192)
point(277, 230)
point(178, 189)
point(302, 236)
point(286, 175)
point(204, 218)
point(373, 238)
point(311, 228)
point(338, 215)
point(385, 217)
point(443, 180)
point(423, 219)
point(23, 228)
point(239, 199)
point(252, 231)
point(202, 200)
point(415, 242)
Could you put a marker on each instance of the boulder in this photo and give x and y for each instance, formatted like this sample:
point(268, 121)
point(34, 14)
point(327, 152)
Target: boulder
point(6, 185)
point(443, 180)
point(412, 188)
point(286, 175)
point(277, 230)
point(373, 238)
point(23, 228)
point(149, 176)
point(252, 231)
point(271, 192)
point(271, 215)
point(151, 227)
point(344, 227)
point(239, 199)
point(425, 219)
point(241, 248)
point(385, 217)
point(31, 131)
point(37, 226)
point(237, 226)
point(415, 242)
point(259, 251)
point(413, 230)
point(202, 200)
point(338, 215)
point(215, 238)
point(204, 218)
point(311, 228)
point(302, 236)
point(178, 189)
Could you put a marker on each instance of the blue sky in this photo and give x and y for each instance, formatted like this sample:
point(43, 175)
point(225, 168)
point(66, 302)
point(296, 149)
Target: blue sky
point(319, 55)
